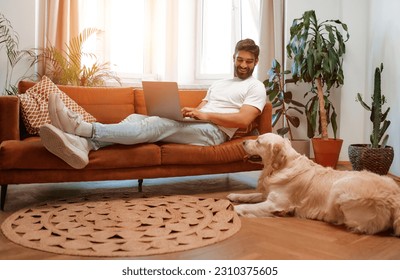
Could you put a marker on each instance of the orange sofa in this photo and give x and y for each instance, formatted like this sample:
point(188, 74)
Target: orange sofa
point(24, 160)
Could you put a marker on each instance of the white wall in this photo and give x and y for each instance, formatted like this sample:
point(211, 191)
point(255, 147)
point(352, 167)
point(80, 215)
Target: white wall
point(352, 127)
point(384, 42)
point(22, 15)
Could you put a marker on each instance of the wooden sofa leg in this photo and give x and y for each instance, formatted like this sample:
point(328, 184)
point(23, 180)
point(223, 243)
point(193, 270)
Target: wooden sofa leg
point(140, 184)
point(3, 196)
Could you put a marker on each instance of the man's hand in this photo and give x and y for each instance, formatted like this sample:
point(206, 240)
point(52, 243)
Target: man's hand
point(193, 113)
point(242, 119)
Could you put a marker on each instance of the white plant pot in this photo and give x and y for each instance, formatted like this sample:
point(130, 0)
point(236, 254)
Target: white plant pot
point(302, 146)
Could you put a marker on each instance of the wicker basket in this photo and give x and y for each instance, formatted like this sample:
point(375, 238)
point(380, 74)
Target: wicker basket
point(377, 160)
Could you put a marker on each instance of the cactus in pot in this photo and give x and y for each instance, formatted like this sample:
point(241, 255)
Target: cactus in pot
point(375, 157)
point(378, 118)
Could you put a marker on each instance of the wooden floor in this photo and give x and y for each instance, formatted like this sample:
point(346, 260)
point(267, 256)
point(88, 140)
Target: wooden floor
point(258, 238)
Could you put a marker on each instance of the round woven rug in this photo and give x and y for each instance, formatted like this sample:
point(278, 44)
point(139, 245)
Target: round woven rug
point(120, 225)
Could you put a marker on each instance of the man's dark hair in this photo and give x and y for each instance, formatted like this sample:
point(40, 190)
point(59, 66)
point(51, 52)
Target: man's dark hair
point(247, 45)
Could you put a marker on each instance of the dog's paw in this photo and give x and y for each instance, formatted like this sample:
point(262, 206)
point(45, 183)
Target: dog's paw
point(242, 211)
point(246, 197)
point(233, 197)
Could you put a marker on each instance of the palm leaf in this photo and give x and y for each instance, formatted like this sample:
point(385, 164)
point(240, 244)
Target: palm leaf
point(9, 41)
point(65, 66)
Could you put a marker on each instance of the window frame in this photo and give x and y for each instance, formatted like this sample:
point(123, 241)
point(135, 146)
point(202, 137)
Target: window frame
point(236, 36)
point(167, 67)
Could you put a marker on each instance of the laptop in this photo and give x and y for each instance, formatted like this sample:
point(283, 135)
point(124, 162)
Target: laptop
point(162, 99)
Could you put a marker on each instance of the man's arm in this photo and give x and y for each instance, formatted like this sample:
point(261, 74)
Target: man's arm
point(242, 119)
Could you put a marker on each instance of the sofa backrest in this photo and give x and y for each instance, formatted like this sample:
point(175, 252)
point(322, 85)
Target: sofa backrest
point(106, 104)
point(188, 98)
point(113, 104)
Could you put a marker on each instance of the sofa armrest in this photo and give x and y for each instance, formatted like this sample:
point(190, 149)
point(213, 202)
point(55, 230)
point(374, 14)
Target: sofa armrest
point(9, 118)
point(265, 119)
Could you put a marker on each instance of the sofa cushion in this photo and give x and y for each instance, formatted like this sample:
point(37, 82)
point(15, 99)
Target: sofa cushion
point(178, 154)
point(30, 154)
point(34, 105)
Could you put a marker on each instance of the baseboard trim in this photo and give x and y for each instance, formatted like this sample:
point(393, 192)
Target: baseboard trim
point(348, 163)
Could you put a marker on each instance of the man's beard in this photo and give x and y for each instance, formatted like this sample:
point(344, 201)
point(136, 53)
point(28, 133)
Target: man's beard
point(243, 75)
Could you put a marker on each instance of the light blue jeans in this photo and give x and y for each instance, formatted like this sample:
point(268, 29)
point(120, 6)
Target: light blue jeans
point(137, 129)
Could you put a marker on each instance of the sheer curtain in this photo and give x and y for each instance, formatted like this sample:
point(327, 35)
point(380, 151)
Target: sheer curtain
point(271, 35)
point(62, 21)
point(60, 25)
point(165, 33)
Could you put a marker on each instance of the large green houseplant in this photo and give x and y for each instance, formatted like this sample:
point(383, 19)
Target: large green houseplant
point(377, 156)
point(317, 49)
point(283, 105)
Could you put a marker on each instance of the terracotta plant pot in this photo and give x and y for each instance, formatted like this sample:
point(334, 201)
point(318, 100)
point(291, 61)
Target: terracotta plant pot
point(377, 160)
point(326, 152)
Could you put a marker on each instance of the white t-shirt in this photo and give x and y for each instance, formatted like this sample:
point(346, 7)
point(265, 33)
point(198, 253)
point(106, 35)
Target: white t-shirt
point(229, 95)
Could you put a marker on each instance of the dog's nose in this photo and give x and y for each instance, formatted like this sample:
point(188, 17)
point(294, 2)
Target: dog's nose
point(244, 142)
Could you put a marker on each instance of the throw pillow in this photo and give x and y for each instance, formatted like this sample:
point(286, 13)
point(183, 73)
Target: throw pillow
point(34, 105)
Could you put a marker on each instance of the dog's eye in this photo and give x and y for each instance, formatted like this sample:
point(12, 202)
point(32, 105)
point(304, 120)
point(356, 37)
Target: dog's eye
point(257, 141)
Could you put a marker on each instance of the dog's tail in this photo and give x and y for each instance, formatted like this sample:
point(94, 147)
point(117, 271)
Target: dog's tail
point(396, 216)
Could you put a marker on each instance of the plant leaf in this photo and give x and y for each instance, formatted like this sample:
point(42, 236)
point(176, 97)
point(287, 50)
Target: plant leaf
point(276, 116)
point(282, 131)
point(295, 121)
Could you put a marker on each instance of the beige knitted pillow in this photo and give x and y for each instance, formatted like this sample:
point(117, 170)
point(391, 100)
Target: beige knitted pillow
point(34, 105)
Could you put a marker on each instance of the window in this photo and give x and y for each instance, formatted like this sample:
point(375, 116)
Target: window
point(122, 42)
point(222, 24)
point(189, 41)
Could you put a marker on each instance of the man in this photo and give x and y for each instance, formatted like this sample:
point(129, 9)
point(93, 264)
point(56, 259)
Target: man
point(229, 104)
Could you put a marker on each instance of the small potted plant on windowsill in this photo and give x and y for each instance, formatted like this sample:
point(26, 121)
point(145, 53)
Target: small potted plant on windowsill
point(376, 157)
point(317, 49)
point(283, 103)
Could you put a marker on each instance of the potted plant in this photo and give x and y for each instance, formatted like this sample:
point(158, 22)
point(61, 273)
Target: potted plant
point(317, 49)
point(283, 103)
point(9, 41)
point(376, 157)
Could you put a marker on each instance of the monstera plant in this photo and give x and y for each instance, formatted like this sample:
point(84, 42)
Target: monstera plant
point(317, 49)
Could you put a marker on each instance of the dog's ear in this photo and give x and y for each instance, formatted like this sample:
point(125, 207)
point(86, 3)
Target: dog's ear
point(278, 155)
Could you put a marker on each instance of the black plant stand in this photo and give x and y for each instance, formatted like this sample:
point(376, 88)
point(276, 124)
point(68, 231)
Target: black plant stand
point(3, 196)
point(140, 184)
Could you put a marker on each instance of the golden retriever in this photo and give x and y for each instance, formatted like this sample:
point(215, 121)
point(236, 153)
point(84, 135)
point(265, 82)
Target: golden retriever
point(292, 184)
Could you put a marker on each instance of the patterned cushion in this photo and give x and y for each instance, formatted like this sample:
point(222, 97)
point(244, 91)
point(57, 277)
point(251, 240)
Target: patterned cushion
point(34, 105)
